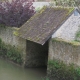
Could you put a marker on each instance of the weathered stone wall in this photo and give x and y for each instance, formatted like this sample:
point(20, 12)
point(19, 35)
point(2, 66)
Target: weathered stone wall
point(68, 30)
point(68, 52)
point(7, 36)
point(34, 55)
point(37, 55)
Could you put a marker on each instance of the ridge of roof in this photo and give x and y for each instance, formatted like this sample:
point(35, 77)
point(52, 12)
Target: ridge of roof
point(71, 9)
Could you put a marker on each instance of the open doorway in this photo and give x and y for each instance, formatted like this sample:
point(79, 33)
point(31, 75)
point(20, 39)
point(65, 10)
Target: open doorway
point(37, 55)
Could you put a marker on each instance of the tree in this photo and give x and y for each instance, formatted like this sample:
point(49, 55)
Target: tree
point(16, 12)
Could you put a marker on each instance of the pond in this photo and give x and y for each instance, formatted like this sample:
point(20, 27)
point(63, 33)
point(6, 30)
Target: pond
point(10, 71)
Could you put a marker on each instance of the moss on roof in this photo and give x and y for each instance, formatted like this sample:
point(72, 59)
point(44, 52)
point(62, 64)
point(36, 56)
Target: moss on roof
point(42, 25)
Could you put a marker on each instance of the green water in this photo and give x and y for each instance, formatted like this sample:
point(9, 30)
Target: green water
point(10, 71)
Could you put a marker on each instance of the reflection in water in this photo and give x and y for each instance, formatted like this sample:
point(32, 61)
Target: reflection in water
point(9, 71)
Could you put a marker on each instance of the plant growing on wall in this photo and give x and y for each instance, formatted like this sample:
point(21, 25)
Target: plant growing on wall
point(10, 52)
point(77, 36)
point(16, 12)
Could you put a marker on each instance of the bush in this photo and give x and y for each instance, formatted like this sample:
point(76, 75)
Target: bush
point(16, 12)
point(59, 71)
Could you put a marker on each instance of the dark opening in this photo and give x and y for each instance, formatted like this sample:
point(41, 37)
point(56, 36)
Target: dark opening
point(37, 55)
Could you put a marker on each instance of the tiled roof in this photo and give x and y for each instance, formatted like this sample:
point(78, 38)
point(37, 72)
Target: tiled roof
point(43, 24)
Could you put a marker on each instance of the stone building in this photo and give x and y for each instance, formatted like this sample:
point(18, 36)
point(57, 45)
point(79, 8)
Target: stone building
point(46, 25)
point(36, 37)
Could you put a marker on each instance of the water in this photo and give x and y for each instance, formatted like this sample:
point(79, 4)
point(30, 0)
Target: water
point(10, 71)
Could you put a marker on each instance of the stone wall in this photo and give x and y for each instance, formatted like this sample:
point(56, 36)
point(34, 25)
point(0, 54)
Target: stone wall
point(34, 55)
point(68, 30)
point(37, 55)
point(8, 37)
point(68, 52)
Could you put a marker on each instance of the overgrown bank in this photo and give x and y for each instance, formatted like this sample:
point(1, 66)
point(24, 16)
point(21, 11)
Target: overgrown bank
point(59, 71)
point(10, 52)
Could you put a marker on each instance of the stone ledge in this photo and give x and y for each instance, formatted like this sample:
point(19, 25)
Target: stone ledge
point(75, 43)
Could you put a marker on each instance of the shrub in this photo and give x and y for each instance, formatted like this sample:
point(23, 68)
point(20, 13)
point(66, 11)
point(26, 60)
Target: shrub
point(16, 12)
point(59, 71)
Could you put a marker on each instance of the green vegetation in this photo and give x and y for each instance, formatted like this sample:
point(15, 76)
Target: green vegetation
point(77, 37)
point(78, 34)
point(38, 9)
point(67, 3)
point(59, 71)
point(2, 25)
point(10, 52)
point(45, 78)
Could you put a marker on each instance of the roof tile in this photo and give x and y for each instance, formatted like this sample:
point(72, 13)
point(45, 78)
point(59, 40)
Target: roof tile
point(43, 24)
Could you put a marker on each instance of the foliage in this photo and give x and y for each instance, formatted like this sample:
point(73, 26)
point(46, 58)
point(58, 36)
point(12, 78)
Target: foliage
point(45, 78)
point(77, 36)
point(15, 12)
point(59, 71)
point(10, 52)
point(67, 2)
point(38, 9)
